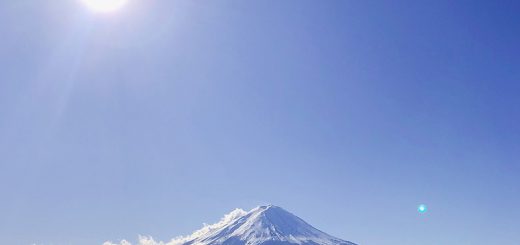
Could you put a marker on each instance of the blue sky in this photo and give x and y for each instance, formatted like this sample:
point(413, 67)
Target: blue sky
point(167, 114)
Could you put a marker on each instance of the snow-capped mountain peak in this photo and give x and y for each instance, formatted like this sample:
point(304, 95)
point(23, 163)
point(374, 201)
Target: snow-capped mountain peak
point(264, 225)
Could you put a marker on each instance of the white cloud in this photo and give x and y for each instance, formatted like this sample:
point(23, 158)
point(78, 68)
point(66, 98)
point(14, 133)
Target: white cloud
point(147, 240)
point(123, 242)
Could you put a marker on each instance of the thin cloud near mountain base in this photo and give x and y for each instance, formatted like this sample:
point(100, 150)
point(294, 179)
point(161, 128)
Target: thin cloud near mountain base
point(148, 240)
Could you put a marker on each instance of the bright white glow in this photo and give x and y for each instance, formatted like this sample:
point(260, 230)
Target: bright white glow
point(422, 208)
point(104, 5)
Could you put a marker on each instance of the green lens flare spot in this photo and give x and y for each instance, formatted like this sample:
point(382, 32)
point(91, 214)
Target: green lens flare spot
point(422, 208)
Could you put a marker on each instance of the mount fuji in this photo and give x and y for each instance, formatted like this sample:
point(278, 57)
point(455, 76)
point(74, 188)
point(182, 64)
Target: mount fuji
point(264, 225)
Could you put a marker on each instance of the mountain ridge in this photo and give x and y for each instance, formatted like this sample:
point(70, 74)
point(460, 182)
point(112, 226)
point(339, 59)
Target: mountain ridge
point(263, 225)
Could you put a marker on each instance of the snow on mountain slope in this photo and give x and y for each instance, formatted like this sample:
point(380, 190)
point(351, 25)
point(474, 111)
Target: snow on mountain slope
point(264, 225)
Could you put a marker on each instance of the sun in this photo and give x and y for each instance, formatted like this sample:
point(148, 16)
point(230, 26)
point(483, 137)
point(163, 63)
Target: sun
point(104, 6)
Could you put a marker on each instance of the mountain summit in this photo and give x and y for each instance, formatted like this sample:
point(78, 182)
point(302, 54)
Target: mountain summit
point(264, 225)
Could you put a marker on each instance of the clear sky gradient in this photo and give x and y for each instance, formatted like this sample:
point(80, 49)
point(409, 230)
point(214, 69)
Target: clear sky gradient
point(167, 114)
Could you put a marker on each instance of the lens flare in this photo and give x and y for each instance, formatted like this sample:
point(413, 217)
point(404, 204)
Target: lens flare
point(422, 208)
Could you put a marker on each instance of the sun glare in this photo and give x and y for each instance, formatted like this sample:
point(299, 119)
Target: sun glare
point(104, 5)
